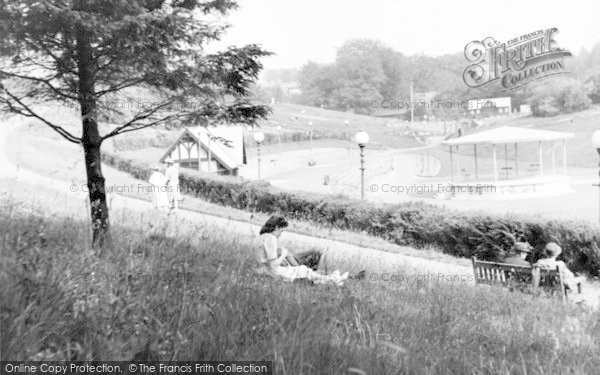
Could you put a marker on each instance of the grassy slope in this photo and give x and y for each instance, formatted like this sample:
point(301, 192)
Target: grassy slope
point(138, 297)
point(328, 121)
point(295, 118)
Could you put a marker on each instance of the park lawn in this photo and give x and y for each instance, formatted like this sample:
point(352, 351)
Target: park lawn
point(296, 117)
point(169, 292)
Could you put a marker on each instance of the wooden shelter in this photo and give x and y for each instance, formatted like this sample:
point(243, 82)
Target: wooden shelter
point(210, 149)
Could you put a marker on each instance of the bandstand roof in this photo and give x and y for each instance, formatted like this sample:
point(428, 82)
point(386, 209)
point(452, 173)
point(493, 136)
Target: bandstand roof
point(508, 134)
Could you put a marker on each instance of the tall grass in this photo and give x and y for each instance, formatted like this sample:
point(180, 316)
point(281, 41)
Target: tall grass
point(167, 296)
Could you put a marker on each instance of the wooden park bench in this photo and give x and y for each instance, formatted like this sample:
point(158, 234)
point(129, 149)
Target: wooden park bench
point(523, 278)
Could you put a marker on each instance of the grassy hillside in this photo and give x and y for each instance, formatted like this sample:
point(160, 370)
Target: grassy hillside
point(328, 122)
point(161, 295)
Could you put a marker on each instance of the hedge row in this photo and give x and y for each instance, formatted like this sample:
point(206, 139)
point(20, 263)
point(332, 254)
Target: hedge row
point(142, 142)
point(412, 223)
point(161, 141)
point(297, 136)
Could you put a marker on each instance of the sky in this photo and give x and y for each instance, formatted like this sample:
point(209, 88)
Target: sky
point(298, 31)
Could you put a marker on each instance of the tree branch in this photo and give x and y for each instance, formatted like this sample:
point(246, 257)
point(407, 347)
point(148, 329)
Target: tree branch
point(122, 85)
point(139, 117)
point(131, 128)
point(30, 113)
point(40, 80)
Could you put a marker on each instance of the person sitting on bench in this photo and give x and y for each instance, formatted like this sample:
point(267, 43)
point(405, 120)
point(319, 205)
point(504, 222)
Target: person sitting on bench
point(518, 254)
point(569, 279)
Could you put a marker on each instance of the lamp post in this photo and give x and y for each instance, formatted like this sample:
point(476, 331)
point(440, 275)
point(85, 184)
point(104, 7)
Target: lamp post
point(596, 144)
point(258, 138)
point(362, 138)
point(279, 138)
point(310, 124)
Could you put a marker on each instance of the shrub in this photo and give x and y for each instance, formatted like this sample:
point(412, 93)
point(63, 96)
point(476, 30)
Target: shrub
point(410, 223)
point(141, 142)
point(592, 87)
point(558, 96)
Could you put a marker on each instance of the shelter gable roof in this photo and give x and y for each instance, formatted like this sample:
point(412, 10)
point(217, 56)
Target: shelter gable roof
point(226, 143)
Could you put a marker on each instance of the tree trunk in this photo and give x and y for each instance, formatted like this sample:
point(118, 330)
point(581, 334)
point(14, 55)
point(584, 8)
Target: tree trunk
point(91, 141)
point(95, 182)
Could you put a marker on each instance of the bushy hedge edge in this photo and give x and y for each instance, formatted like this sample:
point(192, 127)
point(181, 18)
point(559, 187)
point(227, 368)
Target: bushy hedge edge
point(416, 224)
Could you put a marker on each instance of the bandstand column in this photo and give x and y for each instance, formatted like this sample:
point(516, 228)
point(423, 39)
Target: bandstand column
point(541, 159)
point(553, 159)
point(451, 166)
point(506, 160)
point(475, 153)
point(460, 175)
point(495, 163)
point(516, 161)
point(564, 144)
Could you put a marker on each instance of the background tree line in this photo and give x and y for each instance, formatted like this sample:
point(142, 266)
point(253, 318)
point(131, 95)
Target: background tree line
point(366, 70)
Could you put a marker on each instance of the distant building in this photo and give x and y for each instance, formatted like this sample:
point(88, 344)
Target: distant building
point(389, 113)
point(291, 88)
point(525, 109)
point(218, 150)
point(490, 107)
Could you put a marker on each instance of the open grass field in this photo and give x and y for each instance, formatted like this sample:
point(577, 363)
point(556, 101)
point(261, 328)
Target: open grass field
point(297, 117)
point(174, 292)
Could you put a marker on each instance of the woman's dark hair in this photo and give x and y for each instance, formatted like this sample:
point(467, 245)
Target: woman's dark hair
point(275, 222)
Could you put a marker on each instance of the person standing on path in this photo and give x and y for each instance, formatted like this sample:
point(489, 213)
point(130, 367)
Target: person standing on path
point(172, 175)
point(158, 183)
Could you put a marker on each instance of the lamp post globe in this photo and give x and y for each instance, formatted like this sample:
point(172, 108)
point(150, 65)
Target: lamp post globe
point(361, 138)
point(596, 139)
point(259, 137)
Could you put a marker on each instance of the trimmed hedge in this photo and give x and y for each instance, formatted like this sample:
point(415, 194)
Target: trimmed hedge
point(411, 223)
point(164, 141)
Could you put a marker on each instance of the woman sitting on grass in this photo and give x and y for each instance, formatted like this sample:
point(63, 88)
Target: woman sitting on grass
point(280, 262)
